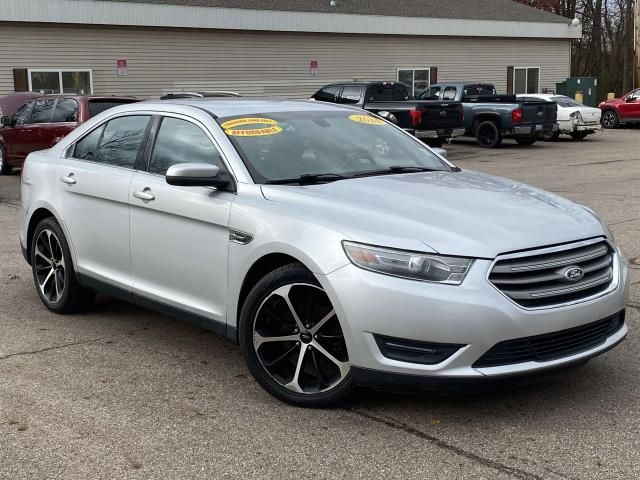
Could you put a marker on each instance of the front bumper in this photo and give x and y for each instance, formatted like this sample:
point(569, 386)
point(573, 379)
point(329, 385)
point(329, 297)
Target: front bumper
point(474, 314)
point(440, 133)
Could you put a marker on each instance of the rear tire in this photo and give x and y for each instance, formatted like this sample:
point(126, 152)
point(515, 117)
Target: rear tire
point(610, 119)
point(293, 342)
point(5, 168)
point(53, 271)
point(577, 136)
point(488, 134)
point(526, 140)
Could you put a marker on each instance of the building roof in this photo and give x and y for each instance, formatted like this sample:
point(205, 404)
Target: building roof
point(506, 10)
point(444, 18)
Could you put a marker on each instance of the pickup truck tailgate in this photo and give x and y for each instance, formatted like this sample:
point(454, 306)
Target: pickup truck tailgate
point(442, 115)
point(539, 112)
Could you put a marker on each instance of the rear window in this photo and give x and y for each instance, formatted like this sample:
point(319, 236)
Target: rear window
point(482, 90)
point(387, 92)
point(566, 101)
point(98, 106)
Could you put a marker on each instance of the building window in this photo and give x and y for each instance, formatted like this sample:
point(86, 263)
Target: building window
point(415, 79)
point(60, 81)
point(526, 79)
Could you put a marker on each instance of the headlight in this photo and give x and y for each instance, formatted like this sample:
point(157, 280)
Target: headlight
point(415, 266)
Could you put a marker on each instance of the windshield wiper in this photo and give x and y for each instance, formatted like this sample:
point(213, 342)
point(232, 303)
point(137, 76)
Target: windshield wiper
point(398, 169)
point(308, 179)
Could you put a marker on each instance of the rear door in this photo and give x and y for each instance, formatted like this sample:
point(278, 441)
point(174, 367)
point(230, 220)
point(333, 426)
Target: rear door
point(65, 118)
point(93, 196)
point(40, 130)
point(351, 95)
point(180, 235)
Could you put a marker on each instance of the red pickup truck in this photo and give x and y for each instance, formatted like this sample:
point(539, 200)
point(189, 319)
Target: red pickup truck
point(42, 121)
point(621, 110)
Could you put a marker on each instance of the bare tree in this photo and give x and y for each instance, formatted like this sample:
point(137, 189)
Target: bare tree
point(606, 48)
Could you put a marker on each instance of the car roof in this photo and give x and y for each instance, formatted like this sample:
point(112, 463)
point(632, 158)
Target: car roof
point(227, 107)
point(89, 97)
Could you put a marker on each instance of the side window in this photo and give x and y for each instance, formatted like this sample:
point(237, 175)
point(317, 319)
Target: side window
point(432, 93)
point(636, 95)
point(327, 94)
point(86, 148)
point(180, 141)
point(42, 111)
point(121, 141)
point(351, 95)
point(449, 93)
point(66, 111)
point(22, 114)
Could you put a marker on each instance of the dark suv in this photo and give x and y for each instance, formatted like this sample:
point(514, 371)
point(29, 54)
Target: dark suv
point(41, 122)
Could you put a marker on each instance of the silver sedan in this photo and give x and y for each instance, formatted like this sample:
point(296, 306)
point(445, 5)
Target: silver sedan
point(334, 247)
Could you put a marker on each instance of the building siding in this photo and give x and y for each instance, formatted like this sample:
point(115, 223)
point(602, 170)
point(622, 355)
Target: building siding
point(263, 63)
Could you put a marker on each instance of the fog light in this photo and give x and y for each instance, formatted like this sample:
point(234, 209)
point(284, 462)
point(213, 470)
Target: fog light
point(413, 351)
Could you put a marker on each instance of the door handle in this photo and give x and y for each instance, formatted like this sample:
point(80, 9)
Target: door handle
point(69, 180)
point(144, 195)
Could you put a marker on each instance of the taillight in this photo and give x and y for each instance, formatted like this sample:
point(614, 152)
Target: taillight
point(416, 117)
point(517, 115)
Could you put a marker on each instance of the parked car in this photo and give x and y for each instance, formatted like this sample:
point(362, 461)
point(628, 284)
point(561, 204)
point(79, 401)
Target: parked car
point(490, 117)
point(434, 122)
point(212, 94)
point(574, 119)
point(42, 121)
point(337, 249)
point(621, 110)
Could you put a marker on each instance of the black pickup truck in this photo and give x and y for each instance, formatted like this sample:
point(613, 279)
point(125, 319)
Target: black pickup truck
point(491, 117)
point(433, 122)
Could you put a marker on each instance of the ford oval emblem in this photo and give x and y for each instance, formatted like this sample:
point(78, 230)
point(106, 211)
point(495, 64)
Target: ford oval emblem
point(573, 273)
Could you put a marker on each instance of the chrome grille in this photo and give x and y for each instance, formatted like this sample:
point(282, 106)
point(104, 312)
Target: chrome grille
point(541, 280)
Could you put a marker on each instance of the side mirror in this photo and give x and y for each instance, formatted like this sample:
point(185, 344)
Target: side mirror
point(195, 175)
point(6, 121)
point(440, 151)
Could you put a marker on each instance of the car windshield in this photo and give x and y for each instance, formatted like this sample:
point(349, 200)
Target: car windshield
point(566, 102)
point(289, 145)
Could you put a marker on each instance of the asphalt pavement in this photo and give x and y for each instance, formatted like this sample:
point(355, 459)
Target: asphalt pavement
point(119, 392)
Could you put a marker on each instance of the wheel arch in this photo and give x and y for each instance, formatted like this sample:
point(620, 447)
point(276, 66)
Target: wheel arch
point(39, 213)
point(259, 268)
point(484, 116)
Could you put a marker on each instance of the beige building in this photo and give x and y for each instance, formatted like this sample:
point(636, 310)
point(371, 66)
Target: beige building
point(276, 47)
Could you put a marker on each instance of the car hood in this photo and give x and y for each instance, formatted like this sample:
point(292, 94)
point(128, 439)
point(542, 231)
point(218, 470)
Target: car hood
point(459, 213)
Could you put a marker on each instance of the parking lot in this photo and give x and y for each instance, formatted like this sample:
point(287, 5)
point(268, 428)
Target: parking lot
point(119, 392)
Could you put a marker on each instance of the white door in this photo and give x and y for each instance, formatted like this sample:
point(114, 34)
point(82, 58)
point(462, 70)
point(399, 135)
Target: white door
point(179, 235)
point(93, 195)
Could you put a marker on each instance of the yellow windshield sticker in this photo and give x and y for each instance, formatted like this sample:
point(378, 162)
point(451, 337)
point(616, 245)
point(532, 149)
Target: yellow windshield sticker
point(366, 119)
point(254, 132)
point(247, 121)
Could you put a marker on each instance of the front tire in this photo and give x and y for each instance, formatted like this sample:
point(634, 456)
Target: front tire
point(610, 119)
point(5, 168)
point(488, 134)
point(53, 271)
point(293, 342)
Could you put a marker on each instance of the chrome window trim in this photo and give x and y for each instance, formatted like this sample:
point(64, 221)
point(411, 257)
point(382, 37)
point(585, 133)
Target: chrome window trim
point(559, 248)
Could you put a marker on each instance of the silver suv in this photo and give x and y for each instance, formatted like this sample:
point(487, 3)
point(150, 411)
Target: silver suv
point(334, 247)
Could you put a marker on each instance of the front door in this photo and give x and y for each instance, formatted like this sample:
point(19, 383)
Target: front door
point(179, 235)
point(630, 107)
point(93, 193)
point(16, 136)
point(40, 130)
